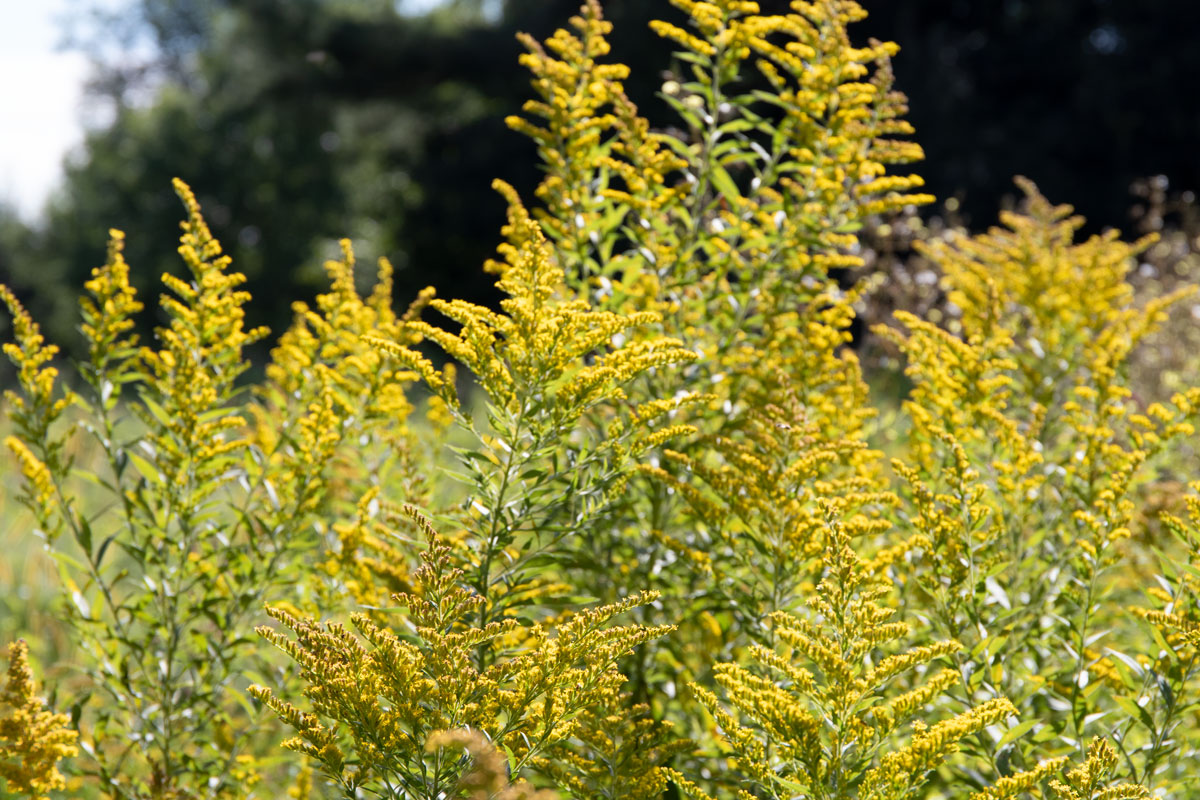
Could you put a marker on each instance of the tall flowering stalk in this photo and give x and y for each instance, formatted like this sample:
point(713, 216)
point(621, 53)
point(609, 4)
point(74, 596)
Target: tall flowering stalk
point(732, 226)
point(1026, 457)
point(541, 469)
point(169, 572)
point(332, 422)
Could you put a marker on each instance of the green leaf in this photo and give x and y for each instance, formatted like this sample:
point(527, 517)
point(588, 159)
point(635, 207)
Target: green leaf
point(146, 469)
point(1164, 689)
point(65, 560)
point(724, 184)
point(156, 411)
point(103, 549)
point(1135, 712)
point(83, 535)
point(1017, 731)
point(738, 126)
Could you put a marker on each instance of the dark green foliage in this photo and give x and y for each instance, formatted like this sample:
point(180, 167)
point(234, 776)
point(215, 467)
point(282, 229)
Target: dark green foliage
point(298, 121)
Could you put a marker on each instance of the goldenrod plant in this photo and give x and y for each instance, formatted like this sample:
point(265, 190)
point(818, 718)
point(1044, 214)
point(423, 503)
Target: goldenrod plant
point(680, 550)
point(811, 715)
point(382, 704)
point(1161, 690)
point(1025, 459)
point(33, 739)
point(189, 530)
point(559, 442)
point(540, 471)
point(332, 418)
point(1091, 778)
point(728, 226)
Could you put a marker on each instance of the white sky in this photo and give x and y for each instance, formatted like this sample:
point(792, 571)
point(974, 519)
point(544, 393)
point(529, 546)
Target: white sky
point(40, 91)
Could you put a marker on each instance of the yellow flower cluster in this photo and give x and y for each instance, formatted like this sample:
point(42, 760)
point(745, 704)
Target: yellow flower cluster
point(108, 311)
point(1068, 305)
point(40, 489)
point(541, 337)
point(816, 716)
point(1022, 782)
point(1090, 780)
point(574, 91)
point(32, 739)
point(331, 334)
point(1045, 327)
point(387, 696)
point(662, 221)
point(332, 419)
point(369, 562)
point(32, 356)
point(555, 372)
point(837, 124)
point(200, 357)
point(899, 771)
point(1179, 617)
point(616, 751)
point(37, 448)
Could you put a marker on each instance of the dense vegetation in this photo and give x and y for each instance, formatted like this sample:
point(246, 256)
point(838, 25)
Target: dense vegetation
point(298, 122)
point(643, 528)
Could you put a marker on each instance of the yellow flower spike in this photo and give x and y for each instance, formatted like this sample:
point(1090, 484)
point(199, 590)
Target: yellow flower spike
point(32, 739)
point(107, 311)
point(38, 445)
point(32, 356)
point(38, 480)
point(1017, 785)
point(199, 361)
point(544, 361)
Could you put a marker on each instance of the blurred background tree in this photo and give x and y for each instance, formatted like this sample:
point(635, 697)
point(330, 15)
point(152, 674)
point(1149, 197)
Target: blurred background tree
point(301, 121)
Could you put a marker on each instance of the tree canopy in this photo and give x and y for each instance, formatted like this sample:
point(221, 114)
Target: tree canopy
point(301, 121)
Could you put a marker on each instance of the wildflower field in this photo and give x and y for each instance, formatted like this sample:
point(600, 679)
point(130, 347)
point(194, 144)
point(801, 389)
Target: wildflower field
point(669, 522)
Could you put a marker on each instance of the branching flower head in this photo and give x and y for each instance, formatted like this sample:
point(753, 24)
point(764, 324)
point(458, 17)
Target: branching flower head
point(32, 739)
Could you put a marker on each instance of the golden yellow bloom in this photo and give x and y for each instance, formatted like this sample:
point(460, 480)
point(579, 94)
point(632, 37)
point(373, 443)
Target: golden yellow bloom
point(1016, 785)
point(817, 716)
point(32, 739)
point(38, 479)
point(108, 311)
point(1089, 780)
point(541, 337)
point(386, 694)
point(32, 356)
